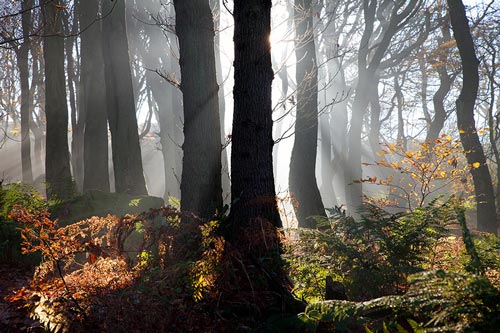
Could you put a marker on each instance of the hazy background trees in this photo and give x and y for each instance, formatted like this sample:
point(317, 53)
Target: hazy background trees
point(349, 75)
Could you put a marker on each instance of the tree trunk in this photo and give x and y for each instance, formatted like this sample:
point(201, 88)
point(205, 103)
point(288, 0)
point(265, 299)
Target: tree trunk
point(254, 215)
point(71, 29)
point(126, 150)
point(226, 180)
point(22, 64)
point(252, 190)
point(485, 199)
point(302, 177)
point(93, 100)
point(445, 82)
point(57, 168)
point(201, 190)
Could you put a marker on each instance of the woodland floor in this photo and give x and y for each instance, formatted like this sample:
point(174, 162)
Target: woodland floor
point(12, 318)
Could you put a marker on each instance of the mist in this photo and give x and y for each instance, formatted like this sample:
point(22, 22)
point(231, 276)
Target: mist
point(378, 83)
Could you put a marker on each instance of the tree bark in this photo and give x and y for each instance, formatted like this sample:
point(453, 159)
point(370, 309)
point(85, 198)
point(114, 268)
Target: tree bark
point(126, 150)
point(93, 100)
point(201, 190)
point(57, 167)
point(485, 199)
point(302, 177)
point(253, 195)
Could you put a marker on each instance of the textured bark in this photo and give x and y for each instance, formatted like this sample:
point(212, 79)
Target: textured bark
point(201, 190)
point(93, 100)
point(126, 151)
point(485, 199)
point(57, 168)
point(252, 189)
point(302, 177)
point(23, 66)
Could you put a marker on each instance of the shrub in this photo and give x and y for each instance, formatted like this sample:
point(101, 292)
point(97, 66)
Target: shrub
point(10, 241)
point(372, 256)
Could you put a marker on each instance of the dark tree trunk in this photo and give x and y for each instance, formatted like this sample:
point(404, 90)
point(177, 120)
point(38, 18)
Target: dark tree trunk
point(485, 199)
point(57, 167)
point(126, 150)
point(22, 64)
point(252, 190)
point(302, 178)
point(93, 100)
point(252, 234)
point(201, 190)
point(445, 82)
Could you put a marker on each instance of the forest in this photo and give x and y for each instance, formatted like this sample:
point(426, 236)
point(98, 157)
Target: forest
point(250, 166)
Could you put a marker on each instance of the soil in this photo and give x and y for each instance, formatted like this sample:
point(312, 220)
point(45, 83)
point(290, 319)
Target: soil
point(14, 318)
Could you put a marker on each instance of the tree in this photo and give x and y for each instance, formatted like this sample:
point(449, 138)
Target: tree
point(485, 198)
point(372, 50)
point(201, 190)
point(252, 231)
point(302, 178)
point(126, 151)
point(445, 81)
point(93, 100)
point(253, 195)
point(57, 167)
point(22, 63)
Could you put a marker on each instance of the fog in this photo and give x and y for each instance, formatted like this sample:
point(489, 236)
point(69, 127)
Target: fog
point(402, 85)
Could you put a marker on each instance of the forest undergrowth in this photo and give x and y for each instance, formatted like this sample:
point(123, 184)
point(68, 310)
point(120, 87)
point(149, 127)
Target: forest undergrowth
point(164, 271)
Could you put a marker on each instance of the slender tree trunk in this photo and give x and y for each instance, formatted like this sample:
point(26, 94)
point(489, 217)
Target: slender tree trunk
point(445, 82)
point(26, 101)
point(302, 178)
point(226, 181)
point(201, 190)
point(485, 198)
point(93, 100)
point(57, 167)
point(38, 91)
point(126, 150)
point(71, 29)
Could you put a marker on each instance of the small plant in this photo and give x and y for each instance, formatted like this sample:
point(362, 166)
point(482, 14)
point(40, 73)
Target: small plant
point(415, 177)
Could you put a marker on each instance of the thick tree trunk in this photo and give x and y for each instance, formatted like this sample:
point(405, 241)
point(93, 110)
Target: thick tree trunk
point(127, 160)
point(302, 177)
point(485, 198)
point(57, 168)
point(253, 195)
point(252, 233)
point(201, 190)
point(93, 100)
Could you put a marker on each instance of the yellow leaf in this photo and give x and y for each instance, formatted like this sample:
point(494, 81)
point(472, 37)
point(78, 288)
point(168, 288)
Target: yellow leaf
point(476, 165)
point(408, 154)
point(461, 131)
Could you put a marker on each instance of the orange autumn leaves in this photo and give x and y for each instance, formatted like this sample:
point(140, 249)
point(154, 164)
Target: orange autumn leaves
point(412, 177)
